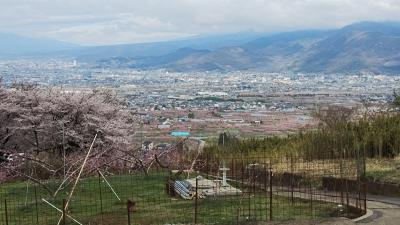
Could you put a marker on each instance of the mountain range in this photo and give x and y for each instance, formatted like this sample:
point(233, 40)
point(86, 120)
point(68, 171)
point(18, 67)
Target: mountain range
point(12, 45)
point(360, 47)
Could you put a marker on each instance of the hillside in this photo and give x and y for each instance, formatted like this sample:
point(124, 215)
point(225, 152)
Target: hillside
point(367, 46)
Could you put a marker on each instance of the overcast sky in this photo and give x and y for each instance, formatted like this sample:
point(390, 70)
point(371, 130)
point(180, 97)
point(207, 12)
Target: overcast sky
point(94, 22)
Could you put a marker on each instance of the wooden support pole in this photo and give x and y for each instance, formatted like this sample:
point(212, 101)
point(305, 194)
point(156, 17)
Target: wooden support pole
point(79, 176)
point(109, 185)
point(59, 210)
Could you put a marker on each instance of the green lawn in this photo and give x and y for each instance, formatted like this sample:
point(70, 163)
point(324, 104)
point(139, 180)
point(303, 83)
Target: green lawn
point(154, 206)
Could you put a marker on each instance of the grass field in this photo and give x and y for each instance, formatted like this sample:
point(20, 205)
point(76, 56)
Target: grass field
point(154, 206)
point(384, 170)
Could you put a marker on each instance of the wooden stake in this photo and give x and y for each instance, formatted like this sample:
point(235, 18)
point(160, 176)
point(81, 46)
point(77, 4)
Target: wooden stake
point(59, 210)
point(109, 185)
point(78, 177)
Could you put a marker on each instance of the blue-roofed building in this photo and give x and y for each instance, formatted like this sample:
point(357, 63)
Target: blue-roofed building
point(180, 133)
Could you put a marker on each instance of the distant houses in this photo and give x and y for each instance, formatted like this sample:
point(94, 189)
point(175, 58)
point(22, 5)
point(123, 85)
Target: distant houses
point(162, 146)
point(147, 146)
point(236, 121)
point(180, 133)
point(165, 125)
point(5, 157)
point(257, 122)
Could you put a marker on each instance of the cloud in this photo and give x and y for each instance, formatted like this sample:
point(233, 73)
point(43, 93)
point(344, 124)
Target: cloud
point(126, 21)
point(121, 28)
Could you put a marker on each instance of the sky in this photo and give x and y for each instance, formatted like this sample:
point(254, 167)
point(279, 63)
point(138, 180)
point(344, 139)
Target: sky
point(104, 22)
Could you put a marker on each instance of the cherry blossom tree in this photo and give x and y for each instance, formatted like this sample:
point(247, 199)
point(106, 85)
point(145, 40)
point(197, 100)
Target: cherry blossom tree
point(65, 134)
point(47, 130)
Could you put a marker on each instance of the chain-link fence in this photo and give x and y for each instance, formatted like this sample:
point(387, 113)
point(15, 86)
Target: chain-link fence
point(228, 190)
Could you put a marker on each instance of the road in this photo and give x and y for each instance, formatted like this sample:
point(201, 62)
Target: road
point(383, 213)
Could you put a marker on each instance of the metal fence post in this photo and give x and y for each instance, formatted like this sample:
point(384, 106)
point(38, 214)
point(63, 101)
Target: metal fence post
point(364, 180)
point(6, 211)
point(195, 202)
point(359, 172)
point(130, 207)
point(249, 189)
point(265, 175)
point(36, 206)
point(63, 211)
point(270, 192)
point(365, 196)
point(341, 178)
point(311, 201)
point(291, 180)
point(237, 216)
point(101, 200)
point(347, 199)
point(243, 186)
point(129, 212)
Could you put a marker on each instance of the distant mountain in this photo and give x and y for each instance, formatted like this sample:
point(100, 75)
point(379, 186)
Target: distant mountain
point(366, 46)
point(269, 53)
point(166, 48)
point(12, 45)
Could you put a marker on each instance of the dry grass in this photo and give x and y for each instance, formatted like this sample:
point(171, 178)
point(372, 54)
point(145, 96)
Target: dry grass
point(384, 170)
point(314, 168)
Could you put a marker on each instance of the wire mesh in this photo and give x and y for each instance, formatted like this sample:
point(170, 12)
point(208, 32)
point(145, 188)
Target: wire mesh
point(259, 188)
